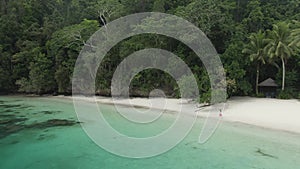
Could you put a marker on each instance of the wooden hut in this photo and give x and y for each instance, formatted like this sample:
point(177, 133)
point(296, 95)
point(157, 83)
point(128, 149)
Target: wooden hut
point(268, 88)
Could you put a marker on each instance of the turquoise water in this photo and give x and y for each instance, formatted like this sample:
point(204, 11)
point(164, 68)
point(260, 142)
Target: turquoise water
point(33, 145)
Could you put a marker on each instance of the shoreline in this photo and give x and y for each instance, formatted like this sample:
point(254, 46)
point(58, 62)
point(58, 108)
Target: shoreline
point(274, 114)
point(269, 113)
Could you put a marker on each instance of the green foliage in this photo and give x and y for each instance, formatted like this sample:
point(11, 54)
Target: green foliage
point(286, 94)
point(208, 16)
point(256, 51)
point(235, 64)
point(231, 87)
point(260, 95)
point(291, 78)
point(107, 9)
point(41, 78)
point(64, 46)
point(40, 42)
point(185, 84)
point(205, 97)
point(281, 45)
point(159, 6)
point(5, 73)
point(256, 46)
point(24, 85)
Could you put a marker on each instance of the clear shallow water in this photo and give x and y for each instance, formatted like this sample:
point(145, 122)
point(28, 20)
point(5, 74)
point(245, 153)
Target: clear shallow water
point(233, 146)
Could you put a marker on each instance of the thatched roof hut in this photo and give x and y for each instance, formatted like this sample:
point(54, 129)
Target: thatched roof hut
point(268, 83)
point(268, 87)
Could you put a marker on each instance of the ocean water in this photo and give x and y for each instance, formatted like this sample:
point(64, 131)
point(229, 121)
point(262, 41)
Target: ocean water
point(30, 138)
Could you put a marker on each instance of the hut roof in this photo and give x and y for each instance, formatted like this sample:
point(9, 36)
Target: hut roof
point(268, 83)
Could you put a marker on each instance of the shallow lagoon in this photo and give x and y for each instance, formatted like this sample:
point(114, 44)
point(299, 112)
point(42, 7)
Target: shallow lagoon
point(36, 144)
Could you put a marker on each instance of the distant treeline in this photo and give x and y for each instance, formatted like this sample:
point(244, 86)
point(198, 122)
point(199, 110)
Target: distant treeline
point(40, 41)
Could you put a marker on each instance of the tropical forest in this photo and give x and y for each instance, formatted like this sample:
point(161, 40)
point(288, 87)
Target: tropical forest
point(40, 41)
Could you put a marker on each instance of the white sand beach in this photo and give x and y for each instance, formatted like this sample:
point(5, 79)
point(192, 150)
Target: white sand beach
point(263, 112)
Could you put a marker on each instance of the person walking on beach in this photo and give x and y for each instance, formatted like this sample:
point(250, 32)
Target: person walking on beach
point(220, 113)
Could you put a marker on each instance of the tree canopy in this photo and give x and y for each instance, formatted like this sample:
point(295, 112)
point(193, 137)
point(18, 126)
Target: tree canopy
point(40, 42)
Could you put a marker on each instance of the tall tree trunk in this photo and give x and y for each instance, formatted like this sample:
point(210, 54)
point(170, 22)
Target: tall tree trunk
point(257, 79)
point(283, 74)
point(237, 15)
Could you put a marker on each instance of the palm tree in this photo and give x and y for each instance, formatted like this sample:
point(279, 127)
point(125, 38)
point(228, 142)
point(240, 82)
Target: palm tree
point(256, 50)
point(281, 45)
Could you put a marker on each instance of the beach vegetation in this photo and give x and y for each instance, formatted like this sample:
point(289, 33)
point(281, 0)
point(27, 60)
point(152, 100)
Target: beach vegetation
point(256, 40)
point(286, 94)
